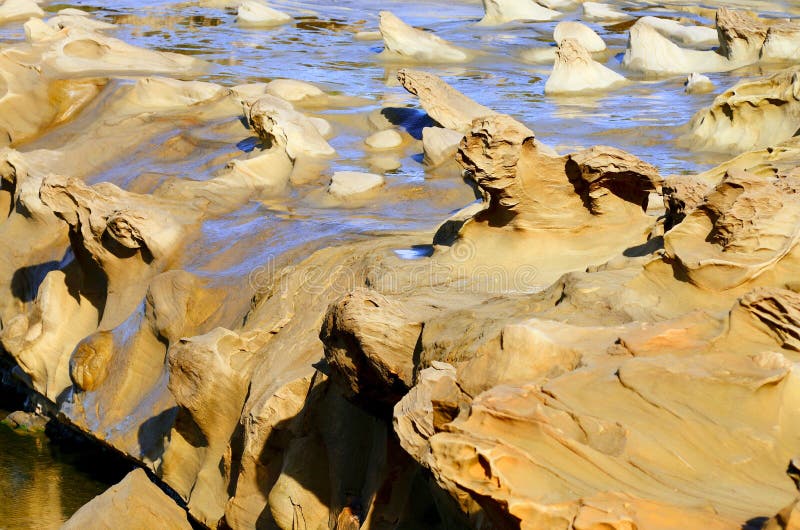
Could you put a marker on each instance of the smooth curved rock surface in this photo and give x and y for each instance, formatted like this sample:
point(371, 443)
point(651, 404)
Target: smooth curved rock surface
point(255, 14)
point(502, 11)
point(132, 504)
point(750, 115)
point(406, 43)
point(583, 34)
point(575, 72)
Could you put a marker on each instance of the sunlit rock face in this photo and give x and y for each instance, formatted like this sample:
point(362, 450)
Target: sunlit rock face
point(334, 285)
point(749, 115)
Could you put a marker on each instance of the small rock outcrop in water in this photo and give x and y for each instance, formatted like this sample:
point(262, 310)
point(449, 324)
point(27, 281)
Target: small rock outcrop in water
point(743, 40)
point(575, 71)
point(252, 13)
point(502, 11)
point(583, 34)
point(347, 183)
point(698, 84)
point(404, 42)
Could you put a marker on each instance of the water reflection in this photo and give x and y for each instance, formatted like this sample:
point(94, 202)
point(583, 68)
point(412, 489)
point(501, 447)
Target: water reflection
point(42, 484)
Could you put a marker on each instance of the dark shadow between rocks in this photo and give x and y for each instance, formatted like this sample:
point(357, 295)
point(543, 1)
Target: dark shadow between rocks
point(25, 281)
point(153, 431)
point(412, 120)
point(756, 523)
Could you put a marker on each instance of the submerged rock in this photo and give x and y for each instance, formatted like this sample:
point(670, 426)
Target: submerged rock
point(25, 421)
point(349, 183)
point(388, 139)
point(698, 84)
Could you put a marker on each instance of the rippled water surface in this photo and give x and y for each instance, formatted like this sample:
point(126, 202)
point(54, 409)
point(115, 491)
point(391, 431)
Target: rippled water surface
point(42, 484)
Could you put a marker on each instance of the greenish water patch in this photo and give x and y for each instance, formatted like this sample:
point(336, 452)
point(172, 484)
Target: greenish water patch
point(44, 481)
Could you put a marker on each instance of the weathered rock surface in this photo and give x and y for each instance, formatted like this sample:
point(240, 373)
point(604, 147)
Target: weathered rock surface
point(583, 34)
point(575, 71)
point(535, 199)
point(698, 84)
point(559, 354)
point(276, 121)
point(406, 43)
point(744, 39)
point(252, 13)
point(439, 145)
point(752, 114)
point(132, 504)
point(12, 10)
point(348, 183)
point(689, 35)
point(650, 51)
point(602, 12)
point(443, 103)
point(502, 11)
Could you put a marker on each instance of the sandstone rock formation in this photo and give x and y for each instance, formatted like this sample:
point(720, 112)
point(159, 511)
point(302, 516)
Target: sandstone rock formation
point(602, 12)
point(133, 503)
point(403, 42)
point(531, 191)
point(443, 103)
point(581, 33)
point(440, 145)
point(576, 72)
point(449, 107)
point(12, 10)
point(698, 84)
point(563, 352)
point(752, 114)
point(276, 121)
point(689, 35)
point(651, 52)
point(491, 398)
point(782, 43)
point(252, 13)
point(502, 11)
point(348, 183)
point(742, 41)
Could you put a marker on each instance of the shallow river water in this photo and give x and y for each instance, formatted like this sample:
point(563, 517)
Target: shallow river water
point(39, 483)
point(43, 483)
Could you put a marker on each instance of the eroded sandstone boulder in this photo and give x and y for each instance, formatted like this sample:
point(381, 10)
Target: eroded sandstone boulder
point(502, 11)
point(254, 14)
point(750, 115)
point(407, 43)
point(132, 504)
point(576, 72)
point(583, 34)
point(536, 199)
